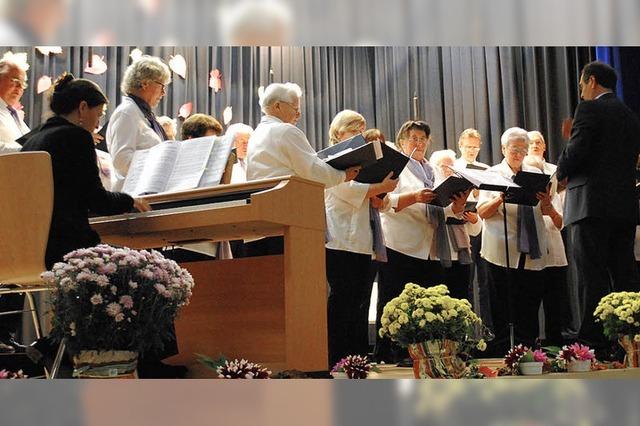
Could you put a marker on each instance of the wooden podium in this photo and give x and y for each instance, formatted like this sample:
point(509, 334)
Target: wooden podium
point(270, 309)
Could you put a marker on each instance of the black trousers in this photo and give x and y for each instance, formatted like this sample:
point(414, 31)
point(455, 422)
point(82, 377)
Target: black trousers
point(349, 276)
point(555, 299)
point(479, 271)
point(602, 251)
point(523, 292)
point(264, 247)
point(457, 280)
point(399, 270)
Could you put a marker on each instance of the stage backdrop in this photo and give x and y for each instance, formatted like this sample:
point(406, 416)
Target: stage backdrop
point(489, 88)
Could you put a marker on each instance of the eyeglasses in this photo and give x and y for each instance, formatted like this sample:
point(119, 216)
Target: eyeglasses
point(514, 150)
point(19, 83)
point(162, 85)
point(295, 109)
point(414, 139)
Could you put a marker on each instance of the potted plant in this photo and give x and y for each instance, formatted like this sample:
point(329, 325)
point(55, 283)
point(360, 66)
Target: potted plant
point(434, 327)
point(577, 358)
point(110, 305)
point(619, 314)
point(242, 369)
point(522, 360)
point(353, 367)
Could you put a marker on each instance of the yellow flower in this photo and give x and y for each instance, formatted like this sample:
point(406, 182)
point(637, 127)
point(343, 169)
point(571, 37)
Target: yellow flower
point(430, 316)
point(404, 306)
point(630, 320)
point(422, 323)
point(636, 338)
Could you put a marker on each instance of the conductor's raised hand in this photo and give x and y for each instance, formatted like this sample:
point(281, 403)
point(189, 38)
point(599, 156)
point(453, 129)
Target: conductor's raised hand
point(141, 205)
point(352, 173)
point(424, 195)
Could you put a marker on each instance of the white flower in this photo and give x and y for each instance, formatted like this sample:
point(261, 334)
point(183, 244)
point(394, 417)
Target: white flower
point(636, 338)
point(482, 345)
point(113, 309)
point(96, 299)
point(119, 317)
point(133, 284)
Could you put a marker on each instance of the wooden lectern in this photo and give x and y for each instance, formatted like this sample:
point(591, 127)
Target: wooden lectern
point(270, 309)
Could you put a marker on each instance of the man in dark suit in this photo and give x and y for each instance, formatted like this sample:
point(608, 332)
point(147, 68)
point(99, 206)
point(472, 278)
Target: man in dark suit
point(601, 207)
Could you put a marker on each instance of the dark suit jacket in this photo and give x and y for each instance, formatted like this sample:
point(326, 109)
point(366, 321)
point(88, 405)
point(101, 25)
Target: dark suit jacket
point(600, 162)
point(77, 187)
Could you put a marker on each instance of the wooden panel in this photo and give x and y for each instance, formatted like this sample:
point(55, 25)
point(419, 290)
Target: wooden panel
point(237, 309)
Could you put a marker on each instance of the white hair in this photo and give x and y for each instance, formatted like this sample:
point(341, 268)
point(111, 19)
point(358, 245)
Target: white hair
point(440, 155)
point(164, 120)
point(534, 134)
point(512, 134)
point(286, 92)
point(144, 69)
point(534, 161)
point(345, 121)
point(239, 129)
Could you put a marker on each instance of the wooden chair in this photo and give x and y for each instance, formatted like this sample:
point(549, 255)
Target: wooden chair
point(26, 205)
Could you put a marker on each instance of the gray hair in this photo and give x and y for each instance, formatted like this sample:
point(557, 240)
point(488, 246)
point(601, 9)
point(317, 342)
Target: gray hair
point(239, 129)
point(534, 134)
point(285, 92)
point(144, 69)
point(164, 120)
point(513, 134)
point(440, 155)
point(7, 65)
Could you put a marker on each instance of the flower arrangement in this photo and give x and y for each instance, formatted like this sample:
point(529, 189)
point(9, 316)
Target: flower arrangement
point(421, 314)
point(576, 352)
point(242, 369)
point(116, 299)
point(6, 374)
point(620, 314)
point(355, 367)
point(521, 354)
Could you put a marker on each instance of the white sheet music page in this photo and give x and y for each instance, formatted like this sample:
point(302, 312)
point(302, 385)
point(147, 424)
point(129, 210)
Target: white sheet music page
point(136, 168)
point(157, 169)
point(217, 161)
point(191, 163)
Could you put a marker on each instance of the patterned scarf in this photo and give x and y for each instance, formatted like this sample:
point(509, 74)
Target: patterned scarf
point(150, 116)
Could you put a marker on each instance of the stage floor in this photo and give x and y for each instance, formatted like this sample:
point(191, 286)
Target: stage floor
point(394, 372)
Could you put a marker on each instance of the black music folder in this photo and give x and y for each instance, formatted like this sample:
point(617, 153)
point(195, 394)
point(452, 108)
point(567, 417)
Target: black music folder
point(449, 187)
point(354, 151)
point(529, 184)
point(391, 161)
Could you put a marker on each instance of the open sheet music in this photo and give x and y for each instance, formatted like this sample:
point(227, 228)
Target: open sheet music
point(486, 179)
point(175, 166)
point(354, 151)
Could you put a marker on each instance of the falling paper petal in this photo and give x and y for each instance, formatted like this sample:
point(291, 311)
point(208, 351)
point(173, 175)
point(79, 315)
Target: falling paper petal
point(48, 50)
point(185, 110)
point(98, 67)
point(227, 114)
point(135, 54)
point(178, 65)
point(215, 80)
point(44, 83)
point(19, 58)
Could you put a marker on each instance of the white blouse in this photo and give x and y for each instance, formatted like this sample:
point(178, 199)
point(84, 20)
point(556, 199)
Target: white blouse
point(410, 231)
point(493, 228)
point(281, 149)
point(128, 131)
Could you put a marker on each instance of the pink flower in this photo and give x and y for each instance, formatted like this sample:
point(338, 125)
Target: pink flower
point(126, 301)
point(96, 299)
point(48, 277)
point(160, 288)
point(582, 352)
point(539, 356)
point(119, 317)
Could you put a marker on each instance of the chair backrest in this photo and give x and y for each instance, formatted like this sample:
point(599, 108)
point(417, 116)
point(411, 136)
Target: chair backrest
point(26, 205)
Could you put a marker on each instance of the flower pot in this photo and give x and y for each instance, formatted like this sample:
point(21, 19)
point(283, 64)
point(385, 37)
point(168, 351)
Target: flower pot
point(105, 365)
point(339, 375)
point(530, 368)
point(632, 350)
point(436, 359)
point(579, 366)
